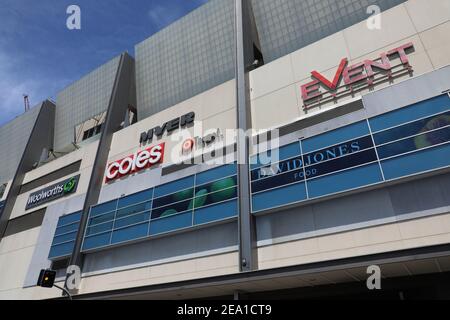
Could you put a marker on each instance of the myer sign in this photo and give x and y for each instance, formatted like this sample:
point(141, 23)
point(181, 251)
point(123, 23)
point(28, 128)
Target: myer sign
point(53, 192)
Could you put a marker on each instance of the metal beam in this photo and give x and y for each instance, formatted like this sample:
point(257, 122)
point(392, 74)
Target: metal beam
point(117, 107)
point(246, 42)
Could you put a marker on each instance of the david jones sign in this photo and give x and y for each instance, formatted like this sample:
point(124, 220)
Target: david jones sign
point(136, 162)
point(356, 77)
point(53, 192)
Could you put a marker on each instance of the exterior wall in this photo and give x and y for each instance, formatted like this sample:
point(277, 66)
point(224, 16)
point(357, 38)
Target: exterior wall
point(390, 237)
point(86, 155)
point(194, 54)
point(29, 249)
point(13, 138)
point(368, 221)
point(277, 85)
point(81, 101)
point(214, 109)
point(288, 25)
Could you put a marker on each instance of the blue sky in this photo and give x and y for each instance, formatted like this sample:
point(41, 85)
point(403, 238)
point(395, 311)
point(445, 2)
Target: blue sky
point(40, 56)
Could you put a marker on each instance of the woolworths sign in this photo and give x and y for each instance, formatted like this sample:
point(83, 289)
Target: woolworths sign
point(53, 192)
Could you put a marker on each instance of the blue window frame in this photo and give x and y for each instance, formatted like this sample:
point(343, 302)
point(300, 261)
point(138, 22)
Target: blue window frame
point(163, 209)
point(65, 236)
point(330, 138)
point(279, 154)
point(416, 111)
point(419, 142)
point(421, 161)
point(103, 208)
point(414, 128)
point(100, 228)
point(345, 180)
point(135, 198)
point(130, 233)
point(171, 223)
point(173, 187)
point(407, 141)
point(133, 209)
point(218, 212)
point(278, 197)
point(216, 174)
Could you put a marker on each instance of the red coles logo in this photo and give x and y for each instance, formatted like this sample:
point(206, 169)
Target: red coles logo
point(139, 161)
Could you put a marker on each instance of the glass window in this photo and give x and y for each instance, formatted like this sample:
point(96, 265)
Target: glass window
point(175, 186)
point(137, 218)
point(70, 218)
point(103, 208)
point(342, 163)
point(101, 219)
point(100, 228)
point(61, 250)
point(172, 209)
point(277, 168)
point(67, 228)
point(345, 180)
point(278, 180)
point(130, 233)
point(65, 238)
point(417, 162)
point(215, 213)
point(171, 223)
point(203, 199)
point(135, 198)
point(415, 143)
point(278, 197)
point(411, 113)
point(338, 150)
point(285, 152)
point(414, 128)
point(330, 138)
point(176, 197)
point(96, 241)
point(217, 185)
point(134, 209)
point(217, 173)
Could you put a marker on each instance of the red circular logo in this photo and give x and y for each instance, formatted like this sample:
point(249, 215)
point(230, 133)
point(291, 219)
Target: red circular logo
point(188, 145)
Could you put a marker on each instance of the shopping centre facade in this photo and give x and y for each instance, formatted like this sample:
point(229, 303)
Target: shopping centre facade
point(144, 184)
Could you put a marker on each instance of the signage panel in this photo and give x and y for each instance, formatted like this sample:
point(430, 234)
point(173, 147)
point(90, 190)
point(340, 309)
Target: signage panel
point(356, 77)
point(139, 161)
point(56, 191)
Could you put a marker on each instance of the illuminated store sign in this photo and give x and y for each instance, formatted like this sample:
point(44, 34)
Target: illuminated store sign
point(139, 161)
point(355, 77)
point(53, 192)
point(168, 127)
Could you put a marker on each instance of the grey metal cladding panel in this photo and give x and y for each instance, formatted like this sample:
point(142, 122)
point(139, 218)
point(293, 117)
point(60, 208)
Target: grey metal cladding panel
point(285, 26)
point(13, 139)
point(408, 92)
point(407, 200)
point(190, 56)
point(421, 195)
point(171, 248)
point(82, 100)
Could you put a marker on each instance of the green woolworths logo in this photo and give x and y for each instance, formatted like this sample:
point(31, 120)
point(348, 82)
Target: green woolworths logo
point(70, 185)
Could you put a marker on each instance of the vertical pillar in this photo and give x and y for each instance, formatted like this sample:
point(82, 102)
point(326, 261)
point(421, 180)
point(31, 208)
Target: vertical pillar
point(247, 52)
point(117, 107)
point(41, 137)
